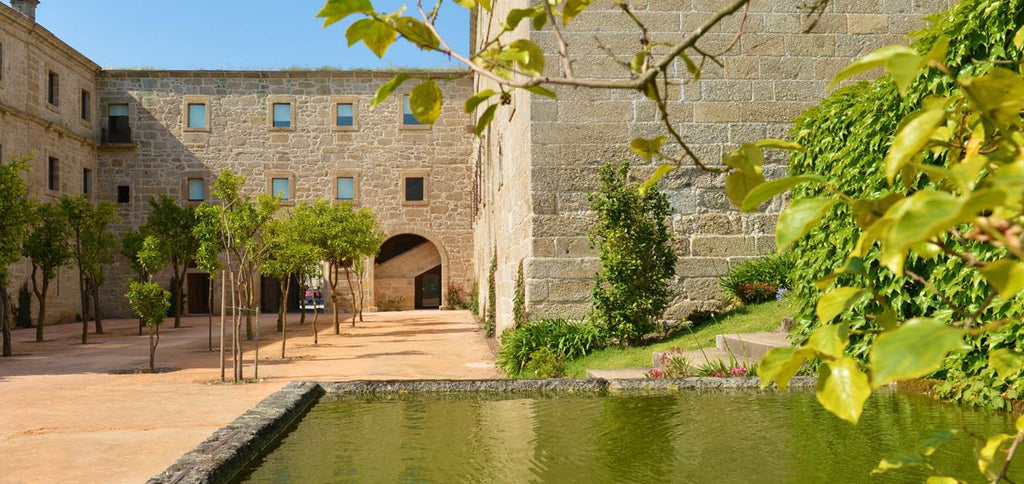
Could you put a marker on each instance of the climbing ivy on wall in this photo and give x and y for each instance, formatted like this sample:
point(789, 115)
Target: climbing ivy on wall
point(492, 311)
point(519, 299)
point(846, 138)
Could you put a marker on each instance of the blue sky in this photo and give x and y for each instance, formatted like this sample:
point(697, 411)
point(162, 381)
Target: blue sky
point(229, 34)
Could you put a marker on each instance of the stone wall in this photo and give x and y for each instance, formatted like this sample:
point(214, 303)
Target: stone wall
point(31, 125)
point(773, 73)
point(378, 152)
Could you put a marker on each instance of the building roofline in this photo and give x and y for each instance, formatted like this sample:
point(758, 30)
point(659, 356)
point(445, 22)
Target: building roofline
point(34, 28)
point(278, 73)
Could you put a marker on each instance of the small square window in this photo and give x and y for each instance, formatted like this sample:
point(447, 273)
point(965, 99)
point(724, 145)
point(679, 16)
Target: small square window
point(282, 115)
point(196, 189)
point(87, 181)
point(281, 188)
point(124, 194)
point(86, 105)
point(346, 188)
point(53, 174)
point(407, 117)
point(197, 116)
point(346, 114)
point(414, 189)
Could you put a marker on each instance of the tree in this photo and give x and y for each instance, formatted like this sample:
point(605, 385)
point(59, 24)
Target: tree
point(92, 246)
point(15, 213)
point(344, 235)
point(148, 299)
point(172, 225)
point(289, 254)
point(47, 249)
point(131, 245)
point(237, 225)
point(635, 247)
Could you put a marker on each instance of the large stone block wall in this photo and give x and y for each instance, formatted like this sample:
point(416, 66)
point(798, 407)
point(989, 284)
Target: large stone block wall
point(378, 153)
point(774, 72)
point(30, 125)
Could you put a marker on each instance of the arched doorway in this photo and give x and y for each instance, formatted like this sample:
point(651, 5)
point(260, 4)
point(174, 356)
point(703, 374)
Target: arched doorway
point(408, 273)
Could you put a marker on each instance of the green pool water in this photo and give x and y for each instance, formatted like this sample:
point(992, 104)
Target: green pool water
point(719, 437)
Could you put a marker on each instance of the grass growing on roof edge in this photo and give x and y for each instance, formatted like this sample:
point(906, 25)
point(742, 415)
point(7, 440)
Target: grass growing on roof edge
point(745, 319)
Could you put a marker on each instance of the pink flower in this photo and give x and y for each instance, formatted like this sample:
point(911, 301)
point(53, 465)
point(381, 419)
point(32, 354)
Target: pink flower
point(655, 373)
point(739, 370)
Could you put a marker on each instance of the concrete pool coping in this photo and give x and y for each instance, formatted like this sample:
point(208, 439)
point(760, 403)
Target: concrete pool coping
point(226, 453)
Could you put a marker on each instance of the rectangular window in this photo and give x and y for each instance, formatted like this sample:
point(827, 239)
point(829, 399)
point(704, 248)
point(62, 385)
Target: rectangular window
point(53, 88)
point(197, 116)
point(196, 189)
point(87, 181)
point(346, 114)
point(346, 188)
point(414, 189)
point(53, 174)
point(124, 194)
point(281, 188)
point(407, 116)
point(86, 105)
point(282, 115)
point(118, 130)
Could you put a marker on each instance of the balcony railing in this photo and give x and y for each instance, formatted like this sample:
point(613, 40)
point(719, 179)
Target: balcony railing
point(123, 135)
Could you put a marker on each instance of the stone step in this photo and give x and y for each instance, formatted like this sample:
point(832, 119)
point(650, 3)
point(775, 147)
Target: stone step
point(751, 346)
point(618, 374)
point(701, 357)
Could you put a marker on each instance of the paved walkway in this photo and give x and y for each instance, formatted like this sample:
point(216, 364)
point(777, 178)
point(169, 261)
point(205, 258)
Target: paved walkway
point(68, 416)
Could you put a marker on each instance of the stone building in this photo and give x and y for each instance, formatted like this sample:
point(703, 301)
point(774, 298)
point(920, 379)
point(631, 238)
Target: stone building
point(450, 203)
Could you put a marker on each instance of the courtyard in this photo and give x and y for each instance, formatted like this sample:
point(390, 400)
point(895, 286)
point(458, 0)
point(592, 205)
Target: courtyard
point(79, 413)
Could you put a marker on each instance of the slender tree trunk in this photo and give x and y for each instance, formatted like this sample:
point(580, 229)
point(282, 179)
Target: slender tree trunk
point(5, 321)
point(96, 308)
point(152, 349)
point(281, 306)
point(302, 303)
point(284, 315)
point(362, 294)
point(316, 314)
point(332, 279)
point(85, 307)
point(179, 286)
point(234, 331)
point(256, 354)
point(41, 297)
point(223, 297)
point(352, 290)
point(209, 312)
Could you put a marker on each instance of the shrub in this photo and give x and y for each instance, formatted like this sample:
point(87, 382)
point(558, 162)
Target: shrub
point(23, 314)
point(519, 298)
point(758, 280)
point(457, 297)
point(492, 289)
point(637, 260)
point(474, 301)
point(568, 339)
point(545, 363)
point(391, 304)
point(672, 364)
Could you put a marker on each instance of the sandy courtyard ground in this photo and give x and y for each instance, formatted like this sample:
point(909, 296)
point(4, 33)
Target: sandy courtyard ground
point(69, 414)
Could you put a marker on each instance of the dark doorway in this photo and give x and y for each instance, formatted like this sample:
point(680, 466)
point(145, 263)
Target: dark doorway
point(428, 289)
point(270, 290)
point(198, 293)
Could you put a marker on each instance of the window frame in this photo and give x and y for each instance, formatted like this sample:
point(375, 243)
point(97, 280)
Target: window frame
point(281, 99)
point(333, 118)
point(355, 176)
point(406, 175)
point(85, 101)
point(187, 189)
point(401, 115)
point(52, 89)
point(186, 113)
point(87, 182)
point(127, 192)
point(292, 186)
point(53, 174)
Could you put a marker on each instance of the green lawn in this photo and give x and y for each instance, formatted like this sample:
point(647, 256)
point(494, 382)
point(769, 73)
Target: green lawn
point(745, 319)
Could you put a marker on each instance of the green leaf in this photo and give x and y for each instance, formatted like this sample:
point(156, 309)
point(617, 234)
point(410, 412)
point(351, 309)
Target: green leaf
point(516, 15)
point(478, 98)
point(485, 119)
point(834, 302)
point(990, 456)
point(779, 144)
point(527, 56)
point(417, 32)
point(1006, 362)
point(539, 21)
point(336, 10)
point(913, 350)
point(768, 190)
point(933, 439)
point(1006, 275)
point(799, 219)
point(942, 480)
point(830, 339)
point(853, 265)
point(1018, 39)
point(878, 58)
point(910, 141)
point(656, 177)
point(486, 4)
point(573, 8)
point(739, 184)
point(1020, 424)
point(647, 147)
point(843, 388)
point(747, 158)
point(543, 92)
point(999, 93)
point(467, 4)
point(899, 461)
point(904, 68)
point(387, 89)
point(918, 218)
point(691, 66)
point(425, 102)
point(780, 364)
point(375, 34)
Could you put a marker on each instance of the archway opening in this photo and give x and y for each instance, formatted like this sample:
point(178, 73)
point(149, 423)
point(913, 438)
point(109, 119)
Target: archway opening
point(408, 274)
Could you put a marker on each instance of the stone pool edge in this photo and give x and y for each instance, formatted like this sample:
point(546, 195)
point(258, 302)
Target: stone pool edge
point(222, 456)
